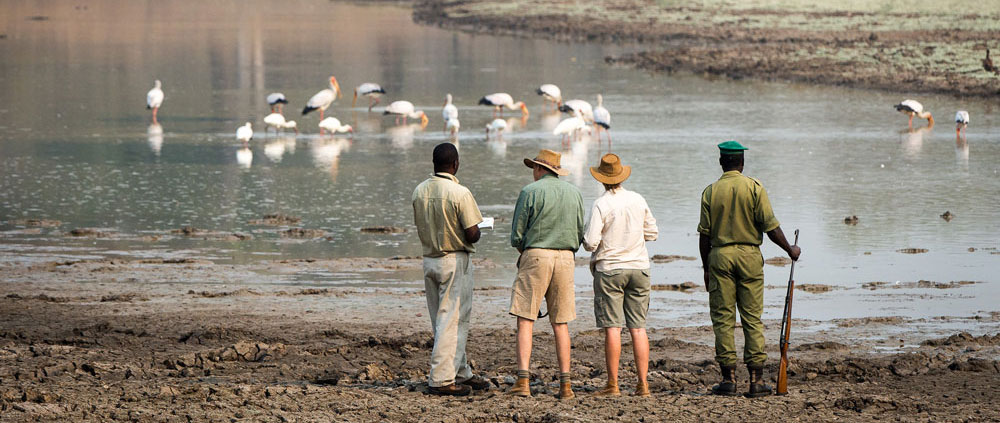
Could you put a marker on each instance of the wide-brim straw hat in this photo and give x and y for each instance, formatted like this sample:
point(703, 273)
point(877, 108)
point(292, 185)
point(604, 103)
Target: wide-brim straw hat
point(548, 159)
point(611, 171)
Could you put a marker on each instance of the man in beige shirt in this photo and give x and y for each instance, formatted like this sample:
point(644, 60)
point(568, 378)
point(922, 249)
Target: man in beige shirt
point(620, 224)
point(447, 219)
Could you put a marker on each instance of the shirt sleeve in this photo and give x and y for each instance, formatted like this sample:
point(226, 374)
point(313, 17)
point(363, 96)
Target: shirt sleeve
point(520, 222)
point(595, 226)
point(764, 215)
point(649, 229)
point(705, 221)
point(580, 219)
point(468, 211)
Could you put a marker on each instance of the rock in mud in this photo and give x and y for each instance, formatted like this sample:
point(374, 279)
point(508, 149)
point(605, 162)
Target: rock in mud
point(662, 258)
point(91, 232)
point(912, 250)
point(778, 261)
point(814, 288)
point(947, 216)
point(851, 220)
point(375, 373)
point(276, 219)
point(383, 230)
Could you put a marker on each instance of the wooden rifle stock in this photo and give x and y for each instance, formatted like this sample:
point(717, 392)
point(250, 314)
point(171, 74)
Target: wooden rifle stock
point(786, 330)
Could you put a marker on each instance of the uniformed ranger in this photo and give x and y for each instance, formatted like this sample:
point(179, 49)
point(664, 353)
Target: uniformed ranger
point(735, 213)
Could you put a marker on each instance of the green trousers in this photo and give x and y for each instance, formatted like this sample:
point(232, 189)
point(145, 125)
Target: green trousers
point(736, 281)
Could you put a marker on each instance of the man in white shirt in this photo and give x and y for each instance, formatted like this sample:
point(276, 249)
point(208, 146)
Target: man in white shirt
point(620, 224)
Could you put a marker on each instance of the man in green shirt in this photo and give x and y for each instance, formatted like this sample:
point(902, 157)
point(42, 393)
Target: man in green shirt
point(735, 213)
point(547, 230)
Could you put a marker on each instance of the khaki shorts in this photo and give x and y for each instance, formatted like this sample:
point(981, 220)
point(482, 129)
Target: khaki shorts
point(621, 298)
point(544, 274)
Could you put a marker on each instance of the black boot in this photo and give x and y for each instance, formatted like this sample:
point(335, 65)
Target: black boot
point(757, 386)
point(728, 384)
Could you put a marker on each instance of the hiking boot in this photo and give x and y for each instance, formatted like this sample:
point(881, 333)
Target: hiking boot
point(728, 385)
point(757, 386)
point(642, 389)
point(453, 390)
point(521, 388)
point(566, 391)
point(476, 382)
point(610, 390)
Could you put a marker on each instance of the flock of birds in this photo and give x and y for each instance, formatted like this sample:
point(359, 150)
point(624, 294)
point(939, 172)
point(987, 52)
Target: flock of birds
point(583, 116)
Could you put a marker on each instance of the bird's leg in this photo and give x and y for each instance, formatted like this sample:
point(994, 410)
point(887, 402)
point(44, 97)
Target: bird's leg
point(911, 121)
point(320, 114)
point(609, 140)
point(404, 119)
point(371, 103)
point(154, 114)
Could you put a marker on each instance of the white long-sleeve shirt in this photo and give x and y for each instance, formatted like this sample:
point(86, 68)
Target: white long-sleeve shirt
point(620, 224)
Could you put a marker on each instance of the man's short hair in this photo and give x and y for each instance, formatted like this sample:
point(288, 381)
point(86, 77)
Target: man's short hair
point(445, 154)
point(731, 161)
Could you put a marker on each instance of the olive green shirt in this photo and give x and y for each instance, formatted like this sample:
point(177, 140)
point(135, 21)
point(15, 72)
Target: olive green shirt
point(735, 210)
point(549, 214)
point(442, 210)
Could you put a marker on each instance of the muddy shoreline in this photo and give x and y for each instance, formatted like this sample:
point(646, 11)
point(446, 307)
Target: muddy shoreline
point(866, 50)
point(108, 340)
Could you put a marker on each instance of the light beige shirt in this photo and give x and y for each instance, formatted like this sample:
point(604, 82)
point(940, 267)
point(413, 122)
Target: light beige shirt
point(442, 209)
point(620, 224)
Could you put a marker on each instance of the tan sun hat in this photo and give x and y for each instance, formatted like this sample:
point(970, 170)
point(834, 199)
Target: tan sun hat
point(611, 170)
point(548, 159)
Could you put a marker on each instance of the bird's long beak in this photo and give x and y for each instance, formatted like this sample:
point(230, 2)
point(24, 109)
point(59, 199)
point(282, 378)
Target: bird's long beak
point(423, 121)
point(355, 101)
point(336, 86)
point(524, 109)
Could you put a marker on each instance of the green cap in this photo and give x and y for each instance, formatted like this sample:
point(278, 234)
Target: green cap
point(731, 147)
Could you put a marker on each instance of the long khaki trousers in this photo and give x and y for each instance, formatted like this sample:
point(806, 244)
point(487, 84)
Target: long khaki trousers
point(448, 284)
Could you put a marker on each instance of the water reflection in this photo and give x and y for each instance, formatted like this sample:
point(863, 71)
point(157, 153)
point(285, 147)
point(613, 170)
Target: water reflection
point(244, 157)
point(913, 140)
point(962, 151)
point(325, 153)
point(574, 159)
point(276, 149)
point(550, 120)
point(402, 135)
point(498, 147)
point(154, 134)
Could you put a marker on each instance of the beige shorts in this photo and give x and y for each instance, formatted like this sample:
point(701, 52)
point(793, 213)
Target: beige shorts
point(621, 298)
point(544, 274)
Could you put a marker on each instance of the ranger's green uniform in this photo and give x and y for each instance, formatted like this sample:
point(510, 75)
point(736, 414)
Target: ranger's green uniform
point(735, 213)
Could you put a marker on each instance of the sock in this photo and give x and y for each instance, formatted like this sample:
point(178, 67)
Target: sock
point(523, 374)
point(564, 377)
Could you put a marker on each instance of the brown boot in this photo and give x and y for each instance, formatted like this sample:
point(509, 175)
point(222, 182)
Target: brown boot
point(642, 389)
point(728, 385)
point(757, 387)
point(610, 390)
point(566, 391)
point(522, 388)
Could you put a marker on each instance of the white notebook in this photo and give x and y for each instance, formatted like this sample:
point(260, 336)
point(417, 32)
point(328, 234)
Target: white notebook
point(486, 223)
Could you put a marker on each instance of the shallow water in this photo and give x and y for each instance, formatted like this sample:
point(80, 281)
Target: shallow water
point(77, 146)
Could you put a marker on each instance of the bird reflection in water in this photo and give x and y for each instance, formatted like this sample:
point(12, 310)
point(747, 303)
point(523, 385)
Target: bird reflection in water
point(402, 135)
point(574, 159)
point(913, 139)
point(325, 153)
point(549, 121)
point(498, 147)
point(961, 142)
point(244, 157)
point(154, 134)
point(276, 149)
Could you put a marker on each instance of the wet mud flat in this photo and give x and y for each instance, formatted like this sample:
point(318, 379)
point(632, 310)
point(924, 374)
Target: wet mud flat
point(110, 340)
point(861, 46)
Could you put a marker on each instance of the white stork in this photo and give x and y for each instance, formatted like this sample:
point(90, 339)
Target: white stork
point(369, 89)
point(276, 100)
point(912, 108)
point(450, 113)
point(500, 100)
point(585, 109)
point(602, 120)
point(551, 93)
point(570, 127)
point(154, 98)
point(323, 99)
point(497, 126)
point(244, 133)
point(333, 125)
point(278, 122)
point(405, 110)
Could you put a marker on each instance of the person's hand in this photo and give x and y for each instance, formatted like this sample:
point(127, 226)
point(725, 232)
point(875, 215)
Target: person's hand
point(706, 280)
point(794, 253)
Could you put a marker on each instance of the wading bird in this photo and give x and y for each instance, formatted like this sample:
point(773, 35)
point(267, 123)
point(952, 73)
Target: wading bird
point(405, 109)
point(961, 122)
point(551, 93)
point(585, 109)
point(244, 133)
point(154, 98)
point(912, 108)
point(278, 122)
point(452, 126)
point(371, 90)
point(333, 125)
point(570, 127)
point(500, 100)
point(497, 126)
point(323, 99)
point(602, 120)
point(276, 101)
point(450, 113)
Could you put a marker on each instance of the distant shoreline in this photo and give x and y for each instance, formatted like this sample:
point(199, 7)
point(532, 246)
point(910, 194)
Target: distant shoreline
point(833, 48)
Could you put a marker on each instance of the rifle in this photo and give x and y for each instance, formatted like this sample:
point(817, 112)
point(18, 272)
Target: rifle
point(786, 330)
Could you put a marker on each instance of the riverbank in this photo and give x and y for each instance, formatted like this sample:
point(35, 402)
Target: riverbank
point(893, 46)
point(110, 340)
